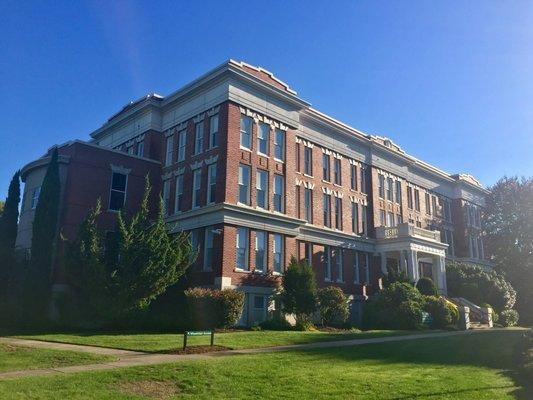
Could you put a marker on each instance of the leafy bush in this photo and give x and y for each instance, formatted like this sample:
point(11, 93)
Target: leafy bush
point(508, 318)
point(299, 294)
point(399, 306)
point(333, 306)
point(393, 275)
point(444, 314)
point(277, 323)
point(210, 309)
point(495, 316)
point(426, 286)
point(479, 286)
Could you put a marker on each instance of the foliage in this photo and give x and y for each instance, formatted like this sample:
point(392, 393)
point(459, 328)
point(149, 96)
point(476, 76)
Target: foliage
point(299, 293)
point(395, 275)
point(479, 286)
point(399, 306)
point(210, 309)
point(333, 306)
point(147, 261)
point(278, 323)
point(524, 355)
point(426, 286)
point(43, 244)
point(8, 233)
point(444, 314)
point(495, 316)
point(509, 318)
point(509, 236)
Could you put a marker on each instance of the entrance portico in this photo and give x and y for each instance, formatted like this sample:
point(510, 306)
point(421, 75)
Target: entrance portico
point(407, 247)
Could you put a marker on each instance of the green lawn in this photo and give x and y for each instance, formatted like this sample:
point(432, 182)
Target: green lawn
point(461, 367)
point(15, 358)
point(161, 342)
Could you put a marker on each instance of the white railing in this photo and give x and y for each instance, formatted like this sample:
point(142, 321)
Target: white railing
point(406, 230)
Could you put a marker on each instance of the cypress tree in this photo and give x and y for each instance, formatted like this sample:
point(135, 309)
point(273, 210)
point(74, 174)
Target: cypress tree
point(44, 238)
point(8, 233)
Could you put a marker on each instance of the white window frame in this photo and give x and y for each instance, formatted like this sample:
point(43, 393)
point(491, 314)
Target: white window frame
point(261, 192)
point(263, 134)
point(326, 211)
point(261, 245)
point(279, 148)
point(308, 208)
point(338, 264)
point(245, 135)
point(355, 217)
point(308, 161)
point(166, 196)
point(326, 173)
point(327, 266)
point(242, 238)
point(199, 138)
point(36, 192)
point(114, 190)
point(140, 149)
point(170, 151)
point(179, 194)
point(196, 187)
point(242, 168)
point(213, 131)
point(277, 252)
point(211, 183)
point(278, 193)
point(338, 213)
point(337, 171)
point(182, 144)
point(353, 176)
point(208, 247)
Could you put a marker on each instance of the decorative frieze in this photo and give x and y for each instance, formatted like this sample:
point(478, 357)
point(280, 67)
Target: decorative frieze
point(199, 118)
point(213, 111)
point(263, 118)
point(197, 164)
point(179, 171)
point(211, 160)
point(120, 169)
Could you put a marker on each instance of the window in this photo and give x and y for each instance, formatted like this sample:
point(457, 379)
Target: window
point(389, 189)
point(381, 186)
point(208, 248)
point(434, 205)
point(327, 263)
point(262, 139)
point(168, 157)
point(242, 248)
point(308, 205)
point(166, 197)
point(261, 185)
point(356, 276)
point(246, 132)
point(399, 219)
point(428, 204)
point(327, 210)
point(213, 131)
point(355, 218)
point(117, 197)
point(279, 145)
point(308, 160)
point(398, 192)
point(353, 176)
point(447, 210)
point(325, 167)
point(195, 244)
point(260, 254)
point(182, 142)
point(179, 194)
point(308, 250)
point(278, 252)
point(410, 197)
point(130, 150)
point(259, 302)
point(278, 193)
point(417, 200)
point(364, 217)
point(450, 241)
point(337, 171)
point(35, 197)
point(297, 150)
point(338, 263)
point(367, 269)
point(390, 219)
point(363, 180)
point(244, 184)
point(382, 218)
point(196, 187)
point(211, 183)
point(199, 138)
point(338, 213)
point(140, 149)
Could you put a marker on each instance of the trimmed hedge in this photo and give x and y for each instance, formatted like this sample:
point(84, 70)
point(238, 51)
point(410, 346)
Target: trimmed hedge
point(426, 286)
point(508, 318)
point(333, 306)
point(444, 314)
point(210, 309)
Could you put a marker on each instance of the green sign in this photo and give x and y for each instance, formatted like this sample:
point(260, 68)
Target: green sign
point(198, 333)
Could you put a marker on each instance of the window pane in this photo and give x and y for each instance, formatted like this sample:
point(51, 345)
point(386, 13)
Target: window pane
point(116, 201)
point(246, 132)
point(279, 145)
point(119, 181)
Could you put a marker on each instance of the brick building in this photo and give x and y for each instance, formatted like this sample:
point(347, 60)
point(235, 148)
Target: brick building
point(256, 175)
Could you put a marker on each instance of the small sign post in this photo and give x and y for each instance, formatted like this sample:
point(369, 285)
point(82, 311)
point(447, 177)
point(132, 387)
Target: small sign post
point(198, 333)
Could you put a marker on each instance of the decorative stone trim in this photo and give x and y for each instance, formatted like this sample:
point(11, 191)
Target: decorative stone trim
point(139, 138)
point(181, 126)
point(263, 118)
point(167, 176)
point(335, 193)
point(179, 171)
point(120, 169)
point(337, 155)
point(211, 160)
point(130, 143)
point(169, 132)
point(213, 111)
point(305, 184)
point(196, 165)
point(199, 118)
point(326, 151)
point(340, 195)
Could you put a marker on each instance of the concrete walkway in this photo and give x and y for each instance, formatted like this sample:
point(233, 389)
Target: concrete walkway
point(135, 358)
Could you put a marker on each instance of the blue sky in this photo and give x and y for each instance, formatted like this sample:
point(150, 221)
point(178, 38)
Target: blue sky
point(451, 82)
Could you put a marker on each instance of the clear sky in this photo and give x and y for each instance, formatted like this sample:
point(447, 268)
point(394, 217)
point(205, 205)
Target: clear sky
point(451, 82)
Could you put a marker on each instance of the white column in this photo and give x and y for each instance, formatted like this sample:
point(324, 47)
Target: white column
point(412, 265)
point(440, 267)
point(384, 263)
point(403, 262)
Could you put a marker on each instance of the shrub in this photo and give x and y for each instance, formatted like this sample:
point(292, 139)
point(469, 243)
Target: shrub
point(444, 314)
point(210, 309)
point(277, 323)
point(426, 286)
point(508, 318)
point(333, 306)
point(399, 306)
point(495, 316)
point(298, 295)
point(393, 275)
point(479, 286)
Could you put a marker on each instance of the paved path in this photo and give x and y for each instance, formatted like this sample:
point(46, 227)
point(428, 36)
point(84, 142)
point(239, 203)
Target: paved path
point(135, 358)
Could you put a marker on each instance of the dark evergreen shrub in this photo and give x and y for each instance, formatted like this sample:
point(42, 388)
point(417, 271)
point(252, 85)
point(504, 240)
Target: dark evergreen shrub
point(210, 309)
point(333, 306)
point(508, 318)
point(426, 286)
point(444, 314)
